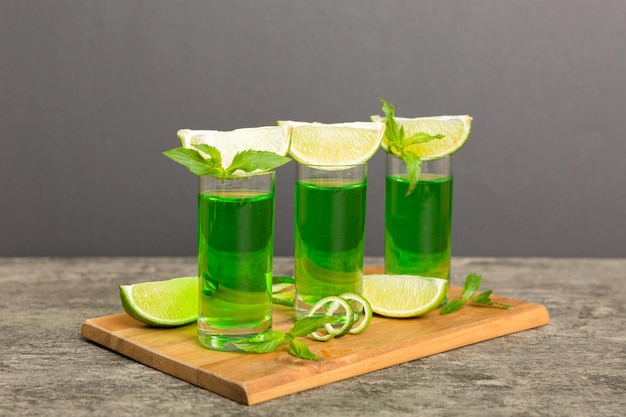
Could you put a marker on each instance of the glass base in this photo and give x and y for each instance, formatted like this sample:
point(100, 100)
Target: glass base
point(221, 338)
point(223, 342)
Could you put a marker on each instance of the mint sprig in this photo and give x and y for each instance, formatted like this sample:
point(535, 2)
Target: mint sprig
point(472, 283)
point(397, 142)
point(248, 160)
point(271, 341)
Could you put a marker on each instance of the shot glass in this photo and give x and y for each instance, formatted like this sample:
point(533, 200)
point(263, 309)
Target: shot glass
point(418, 226)
point(235, 251)
point(329, 232)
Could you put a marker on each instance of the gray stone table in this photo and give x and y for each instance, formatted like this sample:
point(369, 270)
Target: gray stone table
point(575, 366)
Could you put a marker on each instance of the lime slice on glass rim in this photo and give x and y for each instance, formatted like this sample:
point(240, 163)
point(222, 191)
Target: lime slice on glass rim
point(168, 303)
point(403, 295)
point(274, 139)
point(334, 144)
point(456, 131)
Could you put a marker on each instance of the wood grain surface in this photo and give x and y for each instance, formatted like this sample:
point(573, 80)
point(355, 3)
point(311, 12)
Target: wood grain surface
point(255, 378)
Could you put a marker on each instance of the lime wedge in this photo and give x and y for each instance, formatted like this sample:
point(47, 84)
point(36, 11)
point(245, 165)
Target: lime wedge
point(334, 144)
point(456, 131)
point(403, 295)
point(267, 138)
point(168, 303)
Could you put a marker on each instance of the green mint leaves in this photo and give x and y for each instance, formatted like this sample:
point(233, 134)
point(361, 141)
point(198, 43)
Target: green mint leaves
point(413, 168)
point(248, 161)
point(271, 341)
point(397, 143)
point(472, 283)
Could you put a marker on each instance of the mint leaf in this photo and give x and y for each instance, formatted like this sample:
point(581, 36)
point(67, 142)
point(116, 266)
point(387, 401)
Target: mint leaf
point(271, 341)
point(301, 350)
point(394, 134)
point(452, 306)
point(413, 168)
point(485, 299)
point(472, 283)
point(307, 325)
point(396, 142)
point(261, 344)
point(248, 161)
point(212, 151)
point(194, 161)
point(421, 137)
point(251, 160)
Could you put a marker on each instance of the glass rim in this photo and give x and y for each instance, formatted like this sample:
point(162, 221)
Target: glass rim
point(327, 167)
point(241, 177)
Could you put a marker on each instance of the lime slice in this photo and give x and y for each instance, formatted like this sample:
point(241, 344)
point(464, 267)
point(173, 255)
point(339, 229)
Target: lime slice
point(456, 131)
point(268, 138)
point(403, 295)
point(168, 303)
point(334, 144)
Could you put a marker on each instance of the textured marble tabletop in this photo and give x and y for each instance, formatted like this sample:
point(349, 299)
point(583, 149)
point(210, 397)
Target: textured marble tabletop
point(575, 366)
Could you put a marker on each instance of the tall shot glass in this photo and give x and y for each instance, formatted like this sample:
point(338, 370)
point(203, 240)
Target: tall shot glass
point(329, 232)
point(418, 226)
point(235, 251)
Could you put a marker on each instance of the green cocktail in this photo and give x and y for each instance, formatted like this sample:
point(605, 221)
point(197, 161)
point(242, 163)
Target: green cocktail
point(235, 247)
point(235, 227)
point(329, 234)
point(418, 226)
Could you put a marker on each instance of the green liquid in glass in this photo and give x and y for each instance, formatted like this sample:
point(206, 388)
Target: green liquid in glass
point(235, 246)
point(418, 226)
point(329, 234)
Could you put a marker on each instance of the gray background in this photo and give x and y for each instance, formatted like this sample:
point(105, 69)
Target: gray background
point(92, 93)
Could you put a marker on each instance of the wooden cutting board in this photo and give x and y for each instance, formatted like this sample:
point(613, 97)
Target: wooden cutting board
point(253, 378)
